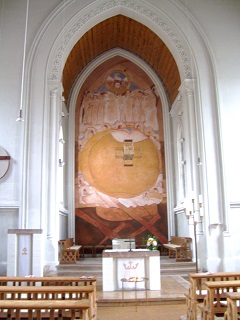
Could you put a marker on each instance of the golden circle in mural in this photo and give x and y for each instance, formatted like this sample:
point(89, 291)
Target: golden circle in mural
point(117, 82)
point(107, 173)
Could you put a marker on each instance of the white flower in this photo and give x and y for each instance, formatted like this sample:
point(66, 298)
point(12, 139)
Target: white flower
point(151, 243)
point(154, 243)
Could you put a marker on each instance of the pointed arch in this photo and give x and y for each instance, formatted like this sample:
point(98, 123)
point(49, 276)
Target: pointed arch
point(47, 57)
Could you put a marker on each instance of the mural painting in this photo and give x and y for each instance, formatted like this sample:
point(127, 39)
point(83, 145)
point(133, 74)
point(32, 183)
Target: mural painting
point(120, 178)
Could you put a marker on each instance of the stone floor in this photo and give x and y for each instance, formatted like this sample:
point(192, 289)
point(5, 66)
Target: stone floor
point(173, 289)
point(157, 312)
point(168, 303)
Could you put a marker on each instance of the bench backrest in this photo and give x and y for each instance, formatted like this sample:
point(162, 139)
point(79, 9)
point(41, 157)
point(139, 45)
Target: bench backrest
point(52, 309)
point(198, 281)
point(217, 290)
point(73, 288)
point(179, 240)
point(198, 290)
point(47, 281)
point(66, 243)
point(46, 292)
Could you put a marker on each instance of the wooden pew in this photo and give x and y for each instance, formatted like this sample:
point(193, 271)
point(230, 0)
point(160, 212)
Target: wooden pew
point(52, 309)
point(50, 293)
point(233, 306)
point(198, 291)
point(179, 248)
point(69, 251)
point(215, 302)
point(45, 281)
point(53, 281)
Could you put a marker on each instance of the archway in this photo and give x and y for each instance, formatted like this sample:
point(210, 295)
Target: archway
point(166, 78)
point(117, 197)
point(80, 59)
point(51, 49)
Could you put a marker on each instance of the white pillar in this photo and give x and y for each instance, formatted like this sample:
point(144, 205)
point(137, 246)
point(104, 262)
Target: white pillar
point(55, 96)
point(187, 91)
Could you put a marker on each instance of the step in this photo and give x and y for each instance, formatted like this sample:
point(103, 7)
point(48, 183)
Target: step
point(93, 267)
point(77, 267)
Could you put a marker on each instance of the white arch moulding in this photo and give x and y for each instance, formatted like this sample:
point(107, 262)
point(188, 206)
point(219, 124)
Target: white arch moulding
point(72, 106)
point(46, 60)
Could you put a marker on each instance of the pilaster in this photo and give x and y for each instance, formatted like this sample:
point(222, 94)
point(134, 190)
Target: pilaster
point(52, 214)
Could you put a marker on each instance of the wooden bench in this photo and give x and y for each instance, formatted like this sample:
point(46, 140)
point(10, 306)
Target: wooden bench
point(69, 252)
point(33, 309)
point(88, 248)
point(50, 293)
point(198, 290)
point(179, 248)
point(47, 281)
point(52, 281)
point(65, 281)
point(233, 308)
point(215, 302)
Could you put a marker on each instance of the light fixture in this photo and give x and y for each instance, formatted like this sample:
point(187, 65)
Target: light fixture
point(20, 117)
point(196, 214)
point(62, 140)
point(191, 211)
point(128, 152)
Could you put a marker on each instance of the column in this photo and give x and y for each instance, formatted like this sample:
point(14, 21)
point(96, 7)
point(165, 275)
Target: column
point(187, 91)
point(52, 219)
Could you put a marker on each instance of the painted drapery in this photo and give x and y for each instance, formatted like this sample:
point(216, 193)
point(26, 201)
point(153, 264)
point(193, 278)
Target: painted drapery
point(119, 110)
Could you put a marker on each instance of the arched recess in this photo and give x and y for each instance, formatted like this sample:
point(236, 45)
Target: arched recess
point(51, 49)
point(163, 104)
point(160, 27)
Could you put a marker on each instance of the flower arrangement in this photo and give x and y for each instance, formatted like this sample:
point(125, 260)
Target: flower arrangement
point(152, 242)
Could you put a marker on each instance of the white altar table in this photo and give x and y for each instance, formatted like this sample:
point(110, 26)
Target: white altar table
point(137, 263)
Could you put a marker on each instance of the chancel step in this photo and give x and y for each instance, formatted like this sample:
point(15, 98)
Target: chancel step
point(173, 274)
point(93, 267)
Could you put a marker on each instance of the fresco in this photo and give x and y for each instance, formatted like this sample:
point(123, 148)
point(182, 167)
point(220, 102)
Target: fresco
point(119, 177)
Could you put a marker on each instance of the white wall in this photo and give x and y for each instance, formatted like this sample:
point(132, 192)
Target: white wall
point(8, 220)
point(12, 28)
point(221, 25)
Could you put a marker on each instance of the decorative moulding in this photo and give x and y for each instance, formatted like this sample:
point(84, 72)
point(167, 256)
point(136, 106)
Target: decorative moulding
point(134, 6)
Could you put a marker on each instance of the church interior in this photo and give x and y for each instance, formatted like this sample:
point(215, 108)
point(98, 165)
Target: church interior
point(118, 124)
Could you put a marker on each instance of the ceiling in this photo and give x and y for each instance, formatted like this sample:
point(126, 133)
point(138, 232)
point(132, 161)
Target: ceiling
point(122, 32)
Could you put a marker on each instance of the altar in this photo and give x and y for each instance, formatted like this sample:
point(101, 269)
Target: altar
point(132, 265)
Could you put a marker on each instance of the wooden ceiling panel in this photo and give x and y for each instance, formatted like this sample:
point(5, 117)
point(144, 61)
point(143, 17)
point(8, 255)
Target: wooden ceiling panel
point(123, 32)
